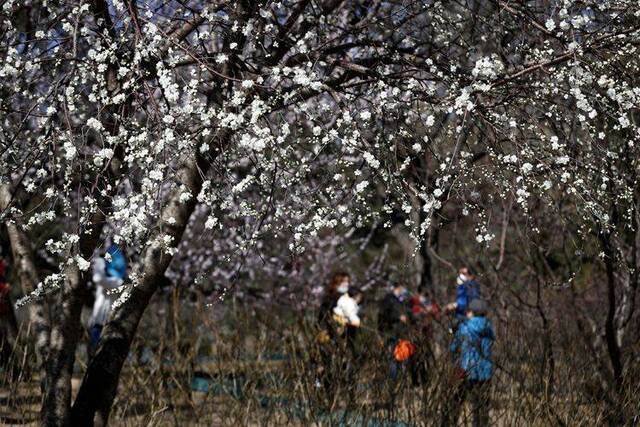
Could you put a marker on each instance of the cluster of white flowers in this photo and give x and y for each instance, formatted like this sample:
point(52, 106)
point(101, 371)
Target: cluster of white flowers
point(171, 90)
point(488, 67)
point(361, 186)
point(69, 150)
point(95, 124)
point(298, 141)
point(83, 264)
point(371, 160)
point(252, 142)
point(101, 156)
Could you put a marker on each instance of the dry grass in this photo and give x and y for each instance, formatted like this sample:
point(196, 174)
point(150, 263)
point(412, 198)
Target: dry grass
point(262, 368)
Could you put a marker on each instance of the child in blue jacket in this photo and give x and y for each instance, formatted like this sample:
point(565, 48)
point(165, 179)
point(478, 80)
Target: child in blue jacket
point(471, 348)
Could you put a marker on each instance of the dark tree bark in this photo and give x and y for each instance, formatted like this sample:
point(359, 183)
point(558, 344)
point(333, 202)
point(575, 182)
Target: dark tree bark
point(426, 276)
point(62, 349)
point(8, 333)
point(614, 353)
point(25, 266)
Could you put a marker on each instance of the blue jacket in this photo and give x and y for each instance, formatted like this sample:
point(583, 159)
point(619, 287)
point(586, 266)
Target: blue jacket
point(117, 267)
point(472, 348)
point(465, 293)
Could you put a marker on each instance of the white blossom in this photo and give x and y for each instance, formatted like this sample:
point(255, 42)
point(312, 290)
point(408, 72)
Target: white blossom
point(361, 186)
point(83, 264)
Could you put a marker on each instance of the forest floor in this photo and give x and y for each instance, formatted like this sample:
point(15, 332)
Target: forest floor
point(20, 404)
point(251, 373)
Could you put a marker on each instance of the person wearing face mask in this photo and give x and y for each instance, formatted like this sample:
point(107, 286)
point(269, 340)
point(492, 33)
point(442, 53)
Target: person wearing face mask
point(338, 286)
point(392, 315)
point(336, 304)
point(467, 289)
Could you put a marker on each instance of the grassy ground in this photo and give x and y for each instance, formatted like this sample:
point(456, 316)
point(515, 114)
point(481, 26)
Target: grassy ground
point(262, 368)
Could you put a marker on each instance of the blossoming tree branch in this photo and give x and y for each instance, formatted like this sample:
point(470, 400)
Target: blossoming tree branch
point(247, 123)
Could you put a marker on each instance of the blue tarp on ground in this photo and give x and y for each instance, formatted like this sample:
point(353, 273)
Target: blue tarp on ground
point(341, 417)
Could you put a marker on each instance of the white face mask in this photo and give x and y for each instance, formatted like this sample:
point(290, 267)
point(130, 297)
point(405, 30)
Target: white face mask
point(343, 289)
point(461, 279)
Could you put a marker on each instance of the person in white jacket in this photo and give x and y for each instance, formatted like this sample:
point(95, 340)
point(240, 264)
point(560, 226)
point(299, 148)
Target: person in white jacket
point(346, 310)
point(346, 313)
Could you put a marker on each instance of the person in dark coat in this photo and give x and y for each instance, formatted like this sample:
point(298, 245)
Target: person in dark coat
point(393, 316)
point(393, 312)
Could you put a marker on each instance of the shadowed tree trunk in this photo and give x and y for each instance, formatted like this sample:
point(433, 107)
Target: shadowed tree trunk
point(62, 349)
point(616, 413)
point(8, 333)
point(426, 277)
point(66, 327)
point(24, 263)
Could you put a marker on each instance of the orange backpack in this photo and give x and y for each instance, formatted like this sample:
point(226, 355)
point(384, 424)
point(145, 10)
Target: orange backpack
point(404, 350)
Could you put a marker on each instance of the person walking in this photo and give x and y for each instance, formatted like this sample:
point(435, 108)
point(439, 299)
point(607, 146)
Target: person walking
point(333, 320)
point(337, 286)
point(472, 351)
point(108, 273)
point(424, 313)
point(467, 289)
point(393, 316)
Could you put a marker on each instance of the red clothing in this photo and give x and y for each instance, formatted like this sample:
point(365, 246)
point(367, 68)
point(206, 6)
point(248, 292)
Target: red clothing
point(420, 309)
point(424, 313)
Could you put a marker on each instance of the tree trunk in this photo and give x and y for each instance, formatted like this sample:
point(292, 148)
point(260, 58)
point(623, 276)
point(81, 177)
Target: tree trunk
point(8, 338)
point(66, 327)
point(25, 266)
point(65, 332)
point(57, 400)
point(547, 368)
point(610, 327)
point(616, 413)
point(426, 277)
point(99, 386)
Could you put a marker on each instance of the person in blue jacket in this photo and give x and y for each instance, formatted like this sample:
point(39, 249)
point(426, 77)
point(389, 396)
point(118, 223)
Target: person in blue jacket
point(471, 348)
point(109, 272)
point(467, 289)
point(117, 265)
